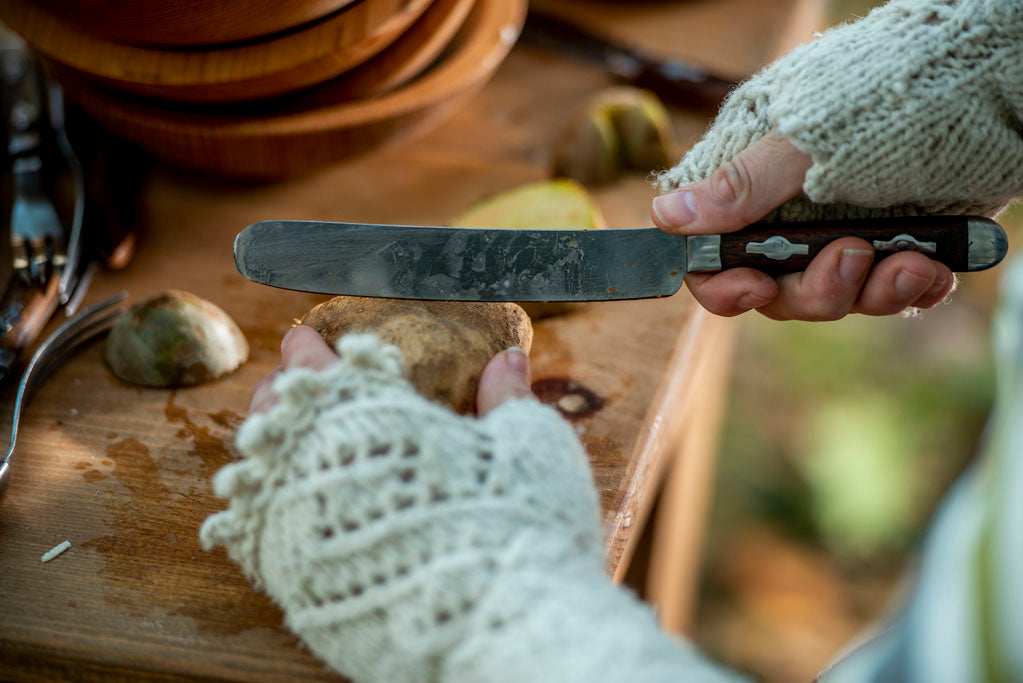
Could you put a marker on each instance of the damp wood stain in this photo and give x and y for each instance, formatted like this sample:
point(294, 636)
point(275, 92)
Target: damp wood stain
point(227, 419)
point(572, 399)
point(210, 449)
point(152, 557)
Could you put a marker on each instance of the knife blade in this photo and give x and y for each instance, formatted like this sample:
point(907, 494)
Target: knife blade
point(474, 264)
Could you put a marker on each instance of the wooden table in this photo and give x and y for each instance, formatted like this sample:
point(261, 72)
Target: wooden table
point(124, 472)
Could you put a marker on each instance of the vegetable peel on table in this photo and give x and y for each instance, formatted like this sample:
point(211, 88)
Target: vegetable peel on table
point(174, 339)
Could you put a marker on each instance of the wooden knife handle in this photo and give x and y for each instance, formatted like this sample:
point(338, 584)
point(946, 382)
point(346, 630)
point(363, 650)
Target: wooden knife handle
point(963, 243)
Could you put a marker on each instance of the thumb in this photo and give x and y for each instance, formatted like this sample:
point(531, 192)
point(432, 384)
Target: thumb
point(760, 178)
point(506, 376)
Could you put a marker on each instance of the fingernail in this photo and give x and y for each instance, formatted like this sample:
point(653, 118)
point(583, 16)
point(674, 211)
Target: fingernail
point(676, 208)
point(909, 285)
point(750, 301)
point(853, 264)
point(517, 360)
point(284, 340)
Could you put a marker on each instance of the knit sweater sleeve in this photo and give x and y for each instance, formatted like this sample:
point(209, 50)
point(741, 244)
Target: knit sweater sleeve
point(916, 108)
point(405, 543)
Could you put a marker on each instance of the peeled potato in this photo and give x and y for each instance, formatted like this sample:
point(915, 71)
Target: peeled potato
point(446, 343)
point(643, 126)
point(559, 203)
point(622, 128)
point(590, 151)
point(174, 339)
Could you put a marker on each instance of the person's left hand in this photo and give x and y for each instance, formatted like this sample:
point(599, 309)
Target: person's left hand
point(506, 376)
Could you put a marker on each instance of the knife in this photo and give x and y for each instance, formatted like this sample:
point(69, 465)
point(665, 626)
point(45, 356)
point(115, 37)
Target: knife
point(474, 264)
point(675, 81)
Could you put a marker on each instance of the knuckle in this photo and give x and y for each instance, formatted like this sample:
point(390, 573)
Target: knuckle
point(824, 309)
point(731, 182)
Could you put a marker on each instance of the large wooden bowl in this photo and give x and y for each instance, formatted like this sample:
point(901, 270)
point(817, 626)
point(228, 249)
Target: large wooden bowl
point(246, 71)
point(177, 23)
point(291, 137)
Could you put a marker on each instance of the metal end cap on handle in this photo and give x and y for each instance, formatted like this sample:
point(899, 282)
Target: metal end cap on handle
point(988, 244)
point(239, 248)
point(5, 477)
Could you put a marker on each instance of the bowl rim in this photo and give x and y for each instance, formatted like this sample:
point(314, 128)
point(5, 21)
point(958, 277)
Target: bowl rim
point(486, 37)
point(230, 65)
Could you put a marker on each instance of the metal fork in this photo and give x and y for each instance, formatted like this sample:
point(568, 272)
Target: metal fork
point(92, 321)
point(38, 147)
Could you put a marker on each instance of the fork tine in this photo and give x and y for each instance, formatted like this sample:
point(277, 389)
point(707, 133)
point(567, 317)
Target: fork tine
point(56, 347)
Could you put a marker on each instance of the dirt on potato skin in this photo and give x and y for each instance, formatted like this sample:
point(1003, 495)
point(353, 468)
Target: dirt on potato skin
point(446, 343)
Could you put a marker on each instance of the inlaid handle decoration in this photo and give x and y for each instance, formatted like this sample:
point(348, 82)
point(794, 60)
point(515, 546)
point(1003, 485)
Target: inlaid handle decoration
point(963, 243)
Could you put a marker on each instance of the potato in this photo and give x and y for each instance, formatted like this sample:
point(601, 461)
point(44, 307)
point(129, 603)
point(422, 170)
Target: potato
point(590, 150)
point(559, 203)
point(446, 343)
point(174, 339)
point(644, 128)
point(621, 128)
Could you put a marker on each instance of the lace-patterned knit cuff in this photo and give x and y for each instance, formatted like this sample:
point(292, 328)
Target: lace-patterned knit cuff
point(379, 520)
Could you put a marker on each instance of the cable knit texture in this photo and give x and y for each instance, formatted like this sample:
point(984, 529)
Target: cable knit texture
point(406, 543)
point(915, 109)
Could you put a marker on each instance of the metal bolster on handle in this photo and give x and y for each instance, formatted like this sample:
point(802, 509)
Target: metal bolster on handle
point(703, 253)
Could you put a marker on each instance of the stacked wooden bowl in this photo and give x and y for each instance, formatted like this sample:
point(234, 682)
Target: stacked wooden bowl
point(264, 88)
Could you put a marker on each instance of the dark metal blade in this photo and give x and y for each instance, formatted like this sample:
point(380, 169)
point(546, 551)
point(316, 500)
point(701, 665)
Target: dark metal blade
point(461, 264)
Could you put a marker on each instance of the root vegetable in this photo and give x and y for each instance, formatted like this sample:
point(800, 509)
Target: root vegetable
point(174, 339)
point(446, 343)
point(622, 128)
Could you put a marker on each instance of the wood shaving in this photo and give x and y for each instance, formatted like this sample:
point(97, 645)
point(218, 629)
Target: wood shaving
point(56, 550)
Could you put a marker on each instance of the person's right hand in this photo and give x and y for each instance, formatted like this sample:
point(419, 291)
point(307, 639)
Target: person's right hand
point(837, 282)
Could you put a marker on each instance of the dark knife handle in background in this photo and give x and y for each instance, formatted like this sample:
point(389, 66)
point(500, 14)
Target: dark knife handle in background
point(674, 81)
point(963, 243)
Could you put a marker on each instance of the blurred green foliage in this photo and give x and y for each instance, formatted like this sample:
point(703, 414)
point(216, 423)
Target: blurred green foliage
point(846, 434)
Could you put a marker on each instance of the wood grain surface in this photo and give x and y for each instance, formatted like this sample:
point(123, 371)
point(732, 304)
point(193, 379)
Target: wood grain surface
point(306, 131)
point(409, 56)
point(188, 22)
point(245, 71)
point(123, 472)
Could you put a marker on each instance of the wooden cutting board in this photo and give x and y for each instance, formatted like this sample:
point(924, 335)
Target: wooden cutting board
point(245, 71)
point(123, 472)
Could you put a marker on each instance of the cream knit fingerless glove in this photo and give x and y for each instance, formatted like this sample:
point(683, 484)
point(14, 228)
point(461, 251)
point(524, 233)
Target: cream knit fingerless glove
point(406, 543)
point(917, 108)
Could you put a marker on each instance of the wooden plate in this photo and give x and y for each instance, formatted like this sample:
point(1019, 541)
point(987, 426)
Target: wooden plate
point(409, 56)
point(290, 139)
point(178, 23)
point(280, 64)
